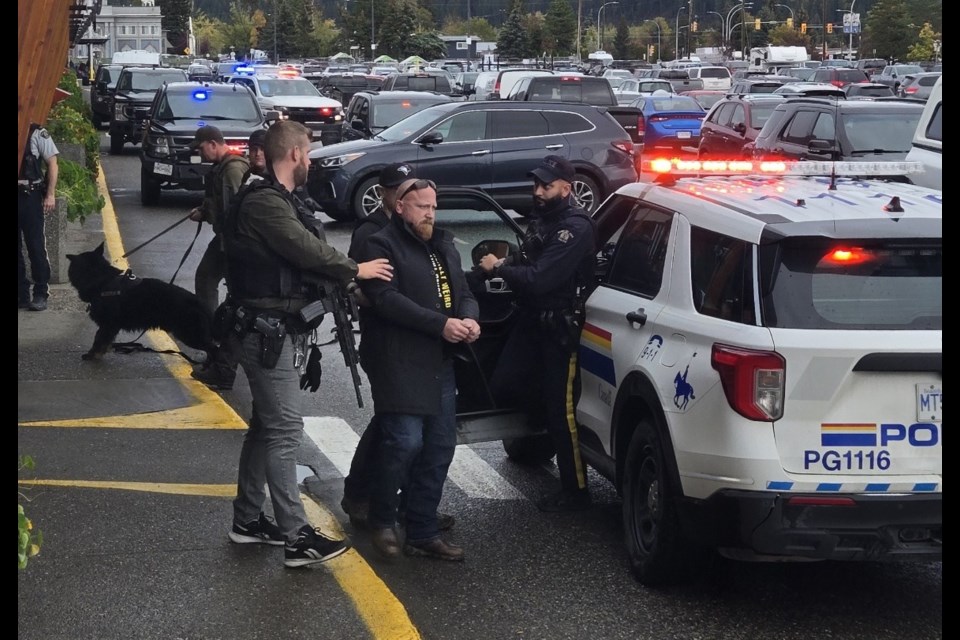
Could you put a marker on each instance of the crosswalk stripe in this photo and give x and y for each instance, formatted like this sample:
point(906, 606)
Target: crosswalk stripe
point(471, 473)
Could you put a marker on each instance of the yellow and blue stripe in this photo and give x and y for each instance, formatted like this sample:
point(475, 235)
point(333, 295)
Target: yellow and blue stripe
point(596, 353)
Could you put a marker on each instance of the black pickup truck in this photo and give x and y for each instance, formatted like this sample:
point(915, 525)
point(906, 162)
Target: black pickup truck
point(577, 89)
point(136, 88)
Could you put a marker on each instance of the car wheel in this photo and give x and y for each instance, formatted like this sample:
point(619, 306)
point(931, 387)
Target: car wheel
point(149, 189)
point(656, 548)
point(530, 450)
point(367, 198)
point(586, 193)
point(116, 145)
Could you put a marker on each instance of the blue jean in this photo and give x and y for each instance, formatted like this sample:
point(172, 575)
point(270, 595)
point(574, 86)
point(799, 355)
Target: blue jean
point(415, 453)
point(269, 452)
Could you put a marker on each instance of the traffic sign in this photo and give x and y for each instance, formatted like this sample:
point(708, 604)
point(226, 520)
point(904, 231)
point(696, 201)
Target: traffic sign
point(851, 23)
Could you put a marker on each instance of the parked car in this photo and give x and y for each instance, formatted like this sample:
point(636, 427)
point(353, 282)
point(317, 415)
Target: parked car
point(755, 85)
point(178, 110)
point(200, 73)
point(101, 93)
point(370, 112)
point(871, 66)
point(714, 78)
point(488, 145)
point(731, 125)
point(668, 121)
point(809, 90)
point(706, 98)
point(830, 129)
point(630, 90)
point(341, 86)
point(868, 90)
point(297, 99)
point(892, 75)
point(918, 85)
point(463, 82)
point(134, 93)
point(679, 78)
point(927, 146)
point(564, 88)
point(804, 74)
point(436, 80)
point(838, 77)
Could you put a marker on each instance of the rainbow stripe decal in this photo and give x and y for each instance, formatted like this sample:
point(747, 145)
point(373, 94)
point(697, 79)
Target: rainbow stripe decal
point(848, 435)
point(596, 353)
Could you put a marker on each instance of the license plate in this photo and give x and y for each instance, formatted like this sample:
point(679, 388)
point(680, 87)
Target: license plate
point(929, 403)
point(196, 160)
point(163, 169)
point(683, 135)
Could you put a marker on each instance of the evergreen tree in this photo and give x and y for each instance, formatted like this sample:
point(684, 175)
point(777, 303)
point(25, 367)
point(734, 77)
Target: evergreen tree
point(560, 30)
point(399, 23)
point(512, 41)
point(621, 42)
point(175, 21)
point(887, 30)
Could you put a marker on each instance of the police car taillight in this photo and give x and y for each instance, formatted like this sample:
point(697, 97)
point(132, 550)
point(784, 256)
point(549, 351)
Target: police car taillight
point(753, 381)
point(847, 256)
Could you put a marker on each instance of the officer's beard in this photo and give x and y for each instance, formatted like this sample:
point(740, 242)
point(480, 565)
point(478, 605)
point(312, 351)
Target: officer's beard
point(424, 229)
point(300, 175)
point(542, 206)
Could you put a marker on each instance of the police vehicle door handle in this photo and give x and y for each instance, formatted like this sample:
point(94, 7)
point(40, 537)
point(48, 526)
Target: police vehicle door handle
point(554, 147)
point(482, 152)
point(637, 317)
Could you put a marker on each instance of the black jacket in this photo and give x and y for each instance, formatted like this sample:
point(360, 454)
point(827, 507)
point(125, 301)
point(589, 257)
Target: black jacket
point(364, 229)
point(402, 348)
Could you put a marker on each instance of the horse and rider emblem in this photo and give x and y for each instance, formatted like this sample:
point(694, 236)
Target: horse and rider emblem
point(683, 392)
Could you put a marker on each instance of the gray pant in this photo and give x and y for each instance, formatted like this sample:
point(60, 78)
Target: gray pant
point(269, 453)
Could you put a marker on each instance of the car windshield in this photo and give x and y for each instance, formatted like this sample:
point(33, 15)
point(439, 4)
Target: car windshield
point(760, 113)
point(714, 72)
point(409, 126)
point(874, 92)
point(707, 100)
point(288, 87)
point(903, 69)
point(892, 284)
point(149, 81)
point(389, 113)
point(675, 103)
point(880, 132)
point(199, 103)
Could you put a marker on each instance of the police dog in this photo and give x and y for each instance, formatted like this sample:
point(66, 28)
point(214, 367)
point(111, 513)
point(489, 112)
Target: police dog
point(120, 301)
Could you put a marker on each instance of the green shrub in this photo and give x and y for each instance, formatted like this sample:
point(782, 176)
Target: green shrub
point(78, 186)
point(68, 82)
point(28, 540)
point(66, 124)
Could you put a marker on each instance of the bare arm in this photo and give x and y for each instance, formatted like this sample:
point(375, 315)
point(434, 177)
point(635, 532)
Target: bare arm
point(53, 171)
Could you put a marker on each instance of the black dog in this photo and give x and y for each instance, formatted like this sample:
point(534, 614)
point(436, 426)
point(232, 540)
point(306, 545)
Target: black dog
point(120, 301)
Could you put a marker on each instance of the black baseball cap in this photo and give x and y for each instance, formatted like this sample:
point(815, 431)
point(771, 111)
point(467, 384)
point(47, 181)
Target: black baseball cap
point(553, 168)
point(207, 133)
point(256, 138)
point(393, 175)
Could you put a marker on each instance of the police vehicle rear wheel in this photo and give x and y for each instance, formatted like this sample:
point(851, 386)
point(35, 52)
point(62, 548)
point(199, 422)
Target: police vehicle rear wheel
point(368, 198)
point(656, 548)
point(149, 189)
point(116, 145)
point(530, 450)
point(586, 192)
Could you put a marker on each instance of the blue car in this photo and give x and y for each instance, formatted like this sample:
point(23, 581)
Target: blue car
point(668, 121)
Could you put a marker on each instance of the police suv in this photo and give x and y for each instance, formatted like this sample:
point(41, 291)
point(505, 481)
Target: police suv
point(762, 367)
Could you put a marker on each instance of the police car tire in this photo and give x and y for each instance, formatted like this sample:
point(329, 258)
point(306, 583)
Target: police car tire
point(656, 547)
point(116, 145)
point(530, 450)
point(149, 189)
point(364, 192)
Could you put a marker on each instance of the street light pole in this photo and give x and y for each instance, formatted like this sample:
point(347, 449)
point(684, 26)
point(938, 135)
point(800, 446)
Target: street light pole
point(723, 28)
point(676, 34)
point(659, 32)
point(276, 60)
point(729, 23)
point(373, 33)
point(599, 28)
point(852, 2)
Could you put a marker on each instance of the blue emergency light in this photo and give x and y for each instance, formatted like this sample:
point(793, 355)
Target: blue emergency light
point(200, 95)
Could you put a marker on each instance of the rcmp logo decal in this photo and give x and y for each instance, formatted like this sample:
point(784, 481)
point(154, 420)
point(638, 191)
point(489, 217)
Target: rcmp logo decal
point(564, 235)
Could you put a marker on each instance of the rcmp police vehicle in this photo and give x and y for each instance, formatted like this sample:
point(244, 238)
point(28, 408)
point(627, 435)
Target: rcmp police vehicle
point(762, 369)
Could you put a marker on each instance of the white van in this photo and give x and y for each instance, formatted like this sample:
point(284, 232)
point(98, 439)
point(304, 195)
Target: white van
point(927, 147)
point(136, 57)
point(714, 78)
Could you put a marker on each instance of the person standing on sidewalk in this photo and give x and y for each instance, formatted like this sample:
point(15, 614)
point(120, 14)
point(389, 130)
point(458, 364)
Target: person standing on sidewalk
point(36, 198)
point(221, 184)
point(415, 320)
point(272, 256)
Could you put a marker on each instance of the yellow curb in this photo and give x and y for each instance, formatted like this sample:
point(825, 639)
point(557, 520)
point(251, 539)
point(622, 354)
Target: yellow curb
point(213, 490)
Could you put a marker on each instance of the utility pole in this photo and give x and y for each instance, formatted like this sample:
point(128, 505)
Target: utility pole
point(689, 27)
point(373, 34)
point(823, 13)
point(579, 26)
point(276, 17)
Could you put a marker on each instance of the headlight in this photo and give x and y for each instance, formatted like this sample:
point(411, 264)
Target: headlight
point(338, 161)
point(118, 113)
point(160, 145)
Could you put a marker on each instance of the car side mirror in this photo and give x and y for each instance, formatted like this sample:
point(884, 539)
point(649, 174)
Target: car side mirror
point(271, 116)
point(740, 128)
point(433, 137)
point(820, 146)
point(499, 248)
point(358, 124)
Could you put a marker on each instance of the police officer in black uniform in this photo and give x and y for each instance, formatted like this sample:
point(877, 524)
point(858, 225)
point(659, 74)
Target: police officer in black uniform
point(551, 277)
point(36, 197)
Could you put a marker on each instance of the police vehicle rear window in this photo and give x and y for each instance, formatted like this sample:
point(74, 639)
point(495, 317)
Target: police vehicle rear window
point(826, 283)
point(203, 103)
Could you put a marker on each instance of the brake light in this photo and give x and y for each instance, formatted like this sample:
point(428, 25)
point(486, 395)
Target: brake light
point(624, 145)
point(569, 79)
point(848, 256)
point(837, 83)
point(910, 90)
point(405, 104)
point(496, 87)
point(641, 124)
point(753, 381)
point(326, 111)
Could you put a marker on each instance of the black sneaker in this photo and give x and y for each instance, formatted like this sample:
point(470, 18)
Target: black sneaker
point(312, 547)
point(565, 500)
point(217, 376)
point(39, 303)
point(260, 531)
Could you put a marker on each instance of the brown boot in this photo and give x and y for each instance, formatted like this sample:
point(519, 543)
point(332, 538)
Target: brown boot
point(437, 548)
point(385, 542)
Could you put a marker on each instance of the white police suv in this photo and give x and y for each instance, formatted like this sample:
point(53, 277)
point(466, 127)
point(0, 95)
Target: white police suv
point(762, 367)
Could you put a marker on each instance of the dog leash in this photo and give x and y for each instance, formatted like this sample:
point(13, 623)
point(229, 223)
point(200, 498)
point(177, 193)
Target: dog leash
point(170, 228)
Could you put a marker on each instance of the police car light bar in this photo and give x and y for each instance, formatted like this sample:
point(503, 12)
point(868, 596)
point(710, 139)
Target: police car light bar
point(678, 167)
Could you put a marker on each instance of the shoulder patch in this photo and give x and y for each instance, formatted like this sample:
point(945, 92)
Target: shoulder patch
point(564, 235)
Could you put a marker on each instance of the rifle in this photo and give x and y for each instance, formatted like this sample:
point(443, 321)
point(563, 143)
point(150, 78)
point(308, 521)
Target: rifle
point(337, 299)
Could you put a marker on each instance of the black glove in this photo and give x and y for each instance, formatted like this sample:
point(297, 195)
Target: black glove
point(311, 375)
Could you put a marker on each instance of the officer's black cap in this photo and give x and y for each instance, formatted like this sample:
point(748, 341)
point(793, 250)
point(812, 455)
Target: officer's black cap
point(393, 175)
point(206, 133)
point(553, 168)
point(256, 138)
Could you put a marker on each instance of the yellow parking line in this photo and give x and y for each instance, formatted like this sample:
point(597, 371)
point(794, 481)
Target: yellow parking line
point(214, 490)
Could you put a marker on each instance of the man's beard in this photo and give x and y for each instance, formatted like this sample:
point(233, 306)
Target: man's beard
point(300, 175)
point(424, 229)
point(542, 205)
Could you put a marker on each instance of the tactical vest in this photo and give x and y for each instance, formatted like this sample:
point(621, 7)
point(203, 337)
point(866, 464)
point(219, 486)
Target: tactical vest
point(30, 169)
point(253, 270)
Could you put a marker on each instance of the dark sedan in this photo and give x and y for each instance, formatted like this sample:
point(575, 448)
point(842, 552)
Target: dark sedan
point(734, 123)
